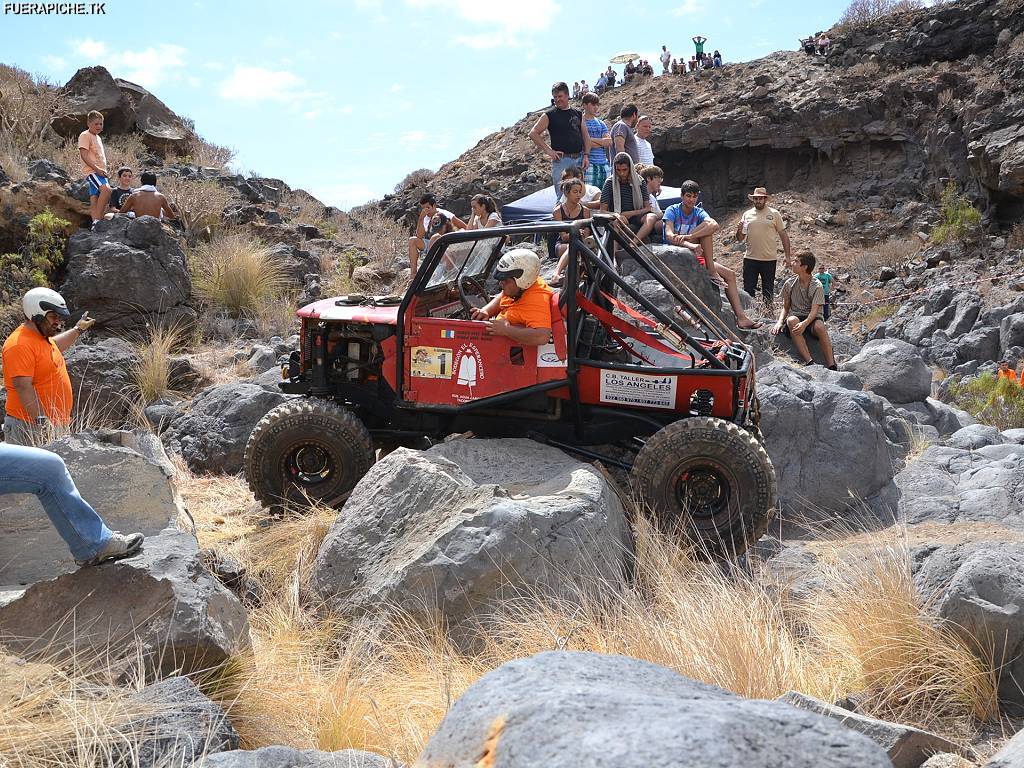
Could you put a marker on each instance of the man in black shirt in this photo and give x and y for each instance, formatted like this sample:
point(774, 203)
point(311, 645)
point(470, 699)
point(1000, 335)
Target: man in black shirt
point(123, 188)
point(570, 141)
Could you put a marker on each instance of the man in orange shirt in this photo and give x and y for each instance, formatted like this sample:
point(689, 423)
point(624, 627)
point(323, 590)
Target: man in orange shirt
point(1006, 372)
point(522, 311)
point(35, 376)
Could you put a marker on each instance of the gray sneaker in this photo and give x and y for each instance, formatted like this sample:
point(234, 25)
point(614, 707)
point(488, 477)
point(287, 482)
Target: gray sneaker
point(117, 547)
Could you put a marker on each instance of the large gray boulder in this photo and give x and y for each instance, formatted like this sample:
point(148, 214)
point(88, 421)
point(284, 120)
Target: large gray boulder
point(124, 475)
point(945, 418)
point(952, 485)
point(161, 606)
point(893, 369)
point(907, 747)
point(181, 725)
point(564, 710)
point(979, 590)
point(453, 530)
point(1011, 755)
point(127, 273)
point(833, 449)
point(103, 380)
point(287, 757)
point(211, 435)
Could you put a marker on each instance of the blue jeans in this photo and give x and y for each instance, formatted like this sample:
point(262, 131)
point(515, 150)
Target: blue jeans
point(557, 166)
point(33, 470)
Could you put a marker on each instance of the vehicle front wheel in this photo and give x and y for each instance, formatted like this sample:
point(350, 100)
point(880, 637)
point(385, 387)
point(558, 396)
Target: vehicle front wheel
point(710, 481)
point(307, 451)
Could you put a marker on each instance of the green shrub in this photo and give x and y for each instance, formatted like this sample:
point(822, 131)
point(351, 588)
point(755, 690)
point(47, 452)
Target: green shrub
point(38, 258)
point(991, 400)
point(236, 272)
point(959, 217)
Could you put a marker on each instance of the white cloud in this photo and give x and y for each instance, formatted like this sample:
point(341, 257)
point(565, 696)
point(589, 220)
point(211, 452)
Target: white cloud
point(395, 88)
point(149, 67)
point(312, 114)
point(90, 48)
point(54, 63)
point(345, 195)
point(688, 8)
point(254, 84)
point(496, 29)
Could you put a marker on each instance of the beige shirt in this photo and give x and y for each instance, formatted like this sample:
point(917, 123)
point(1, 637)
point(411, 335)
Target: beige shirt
point(762, 229)
point(801, 299)
point(93, 146)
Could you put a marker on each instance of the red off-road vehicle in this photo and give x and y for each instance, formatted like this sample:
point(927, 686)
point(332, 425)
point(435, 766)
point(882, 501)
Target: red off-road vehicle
point(641, 375)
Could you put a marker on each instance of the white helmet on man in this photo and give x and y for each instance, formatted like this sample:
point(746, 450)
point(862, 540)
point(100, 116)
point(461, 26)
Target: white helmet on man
point(521, 264)
point(38, 301)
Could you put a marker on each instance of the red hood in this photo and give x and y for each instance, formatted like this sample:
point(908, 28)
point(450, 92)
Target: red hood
point(328, 309)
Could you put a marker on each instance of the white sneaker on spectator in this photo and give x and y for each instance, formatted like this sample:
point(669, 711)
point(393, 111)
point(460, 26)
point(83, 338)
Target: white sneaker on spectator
point(117, 547)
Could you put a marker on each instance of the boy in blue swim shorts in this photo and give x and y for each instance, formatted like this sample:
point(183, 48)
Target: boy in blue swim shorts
point(94, 165)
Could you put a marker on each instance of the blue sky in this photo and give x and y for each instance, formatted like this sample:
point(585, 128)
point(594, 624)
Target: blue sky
point(345, 98)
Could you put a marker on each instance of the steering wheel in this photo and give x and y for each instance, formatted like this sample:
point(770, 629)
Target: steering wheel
point(477, 287)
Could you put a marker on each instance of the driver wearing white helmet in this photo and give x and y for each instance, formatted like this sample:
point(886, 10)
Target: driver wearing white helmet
point(35, 377)
point(522, 311)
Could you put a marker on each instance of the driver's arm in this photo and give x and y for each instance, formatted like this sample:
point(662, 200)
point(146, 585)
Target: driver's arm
point(489, 310)
point(520, 333)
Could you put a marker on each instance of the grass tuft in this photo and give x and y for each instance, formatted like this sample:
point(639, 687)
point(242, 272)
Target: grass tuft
point(237, 272)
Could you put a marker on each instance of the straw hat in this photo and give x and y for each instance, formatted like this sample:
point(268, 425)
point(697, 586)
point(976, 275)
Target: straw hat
point(758, 192)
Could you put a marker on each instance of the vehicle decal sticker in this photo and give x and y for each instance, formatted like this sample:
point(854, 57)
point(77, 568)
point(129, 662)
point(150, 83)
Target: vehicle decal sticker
point(640, 389)
point(547, 357)
point(431, 363)
point(445, 334)
point(469, 366)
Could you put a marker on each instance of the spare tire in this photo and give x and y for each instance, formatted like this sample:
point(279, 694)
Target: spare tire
point(709, 480)
point(307, 451)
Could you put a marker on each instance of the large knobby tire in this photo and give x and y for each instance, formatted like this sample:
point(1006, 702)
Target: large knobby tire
point(304, 451)
point(710, 481)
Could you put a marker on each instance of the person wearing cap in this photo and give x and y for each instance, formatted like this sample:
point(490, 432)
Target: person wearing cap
point(522, 311)
point(35, 376)
point(1006, 372)
point(762, 227)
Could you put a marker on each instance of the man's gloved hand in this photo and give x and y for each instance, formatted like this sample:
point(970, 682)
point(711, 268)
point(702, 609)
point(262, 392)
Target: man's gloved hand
point(85, 322)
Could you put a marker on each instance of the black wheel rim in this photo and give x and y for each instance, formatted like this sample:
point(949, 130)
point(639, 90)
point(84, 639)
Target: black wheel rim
point(703, 492)
point(309, 464)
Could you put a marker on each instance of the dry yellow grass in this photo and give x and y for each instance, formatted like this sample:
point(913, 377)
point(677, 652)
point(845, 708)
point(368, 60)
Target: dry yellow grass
point(152, 372)
point(236, 272)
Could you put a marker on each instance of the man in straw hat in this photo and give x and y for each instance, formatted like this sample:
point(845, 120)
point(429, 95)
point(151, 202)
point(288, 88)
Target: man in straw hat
point(762, 227)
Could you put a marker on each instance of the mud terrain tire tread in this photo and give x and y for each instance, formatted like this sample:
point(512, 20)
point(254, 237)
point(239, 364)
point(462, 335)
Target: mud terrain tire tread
point(349, 442)
point(754, 490)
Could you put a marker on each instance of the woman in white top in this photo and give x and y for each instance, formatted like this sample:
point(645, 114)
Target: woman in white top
point(485, 212)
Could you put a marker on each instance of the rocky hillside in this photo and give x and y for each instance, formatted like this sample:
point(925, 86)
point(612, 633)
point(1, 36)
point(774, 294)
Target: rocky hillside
point(899, 107)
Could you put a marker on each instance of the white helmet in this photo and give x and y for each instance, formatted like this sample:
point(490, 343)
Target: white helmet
point(521, 264)
point(38, 301)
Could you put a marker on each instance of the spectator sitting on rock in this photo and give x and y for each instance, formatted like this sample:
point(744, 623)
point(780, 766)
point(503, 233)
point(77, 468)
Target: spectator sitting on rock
point(693, 63)
point(825, 278)
point(522, 311)
point(689, 226)
point(94, 165)
point(625, 194)
point(146, 201)
point(823, 43)
point(24, 469)
point(1006, 372)
point(654, 176)
point(716, 60)
point(123, 189)
point(602, 83)
point(807, 44)
point(628, 72)
point(802, 295)
point(485, 212)
point(666, 60)
point(612, 76)
point(584, 88)
point(35, 376)
point(648, 69)
point(576, 90)
point(571, 209)
point(418, 242)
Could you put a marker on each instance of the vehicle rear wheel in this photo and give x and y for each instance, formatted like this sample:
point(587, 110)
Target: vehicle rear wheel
point(307, 450)
point(710, 481)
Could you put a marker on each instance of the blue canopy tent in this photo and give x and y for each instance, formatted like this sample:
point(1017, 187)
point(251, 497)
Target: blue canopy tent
point(539, 205)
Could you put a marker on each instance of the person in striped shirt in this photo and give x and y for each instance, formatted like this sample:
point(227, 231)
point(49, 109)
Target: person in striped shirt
point(600, 142)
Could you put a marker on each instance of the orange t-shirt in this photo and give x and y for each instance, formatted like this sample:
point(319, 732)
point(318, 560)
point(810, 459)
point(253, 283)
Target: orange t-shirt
point(27, 353)
point(93, 146)
point(1009, 373)
point(532, 309)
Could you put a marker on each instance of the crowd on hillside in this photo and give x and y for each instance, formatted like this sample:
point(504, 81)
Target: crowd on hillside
point(670, 65)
